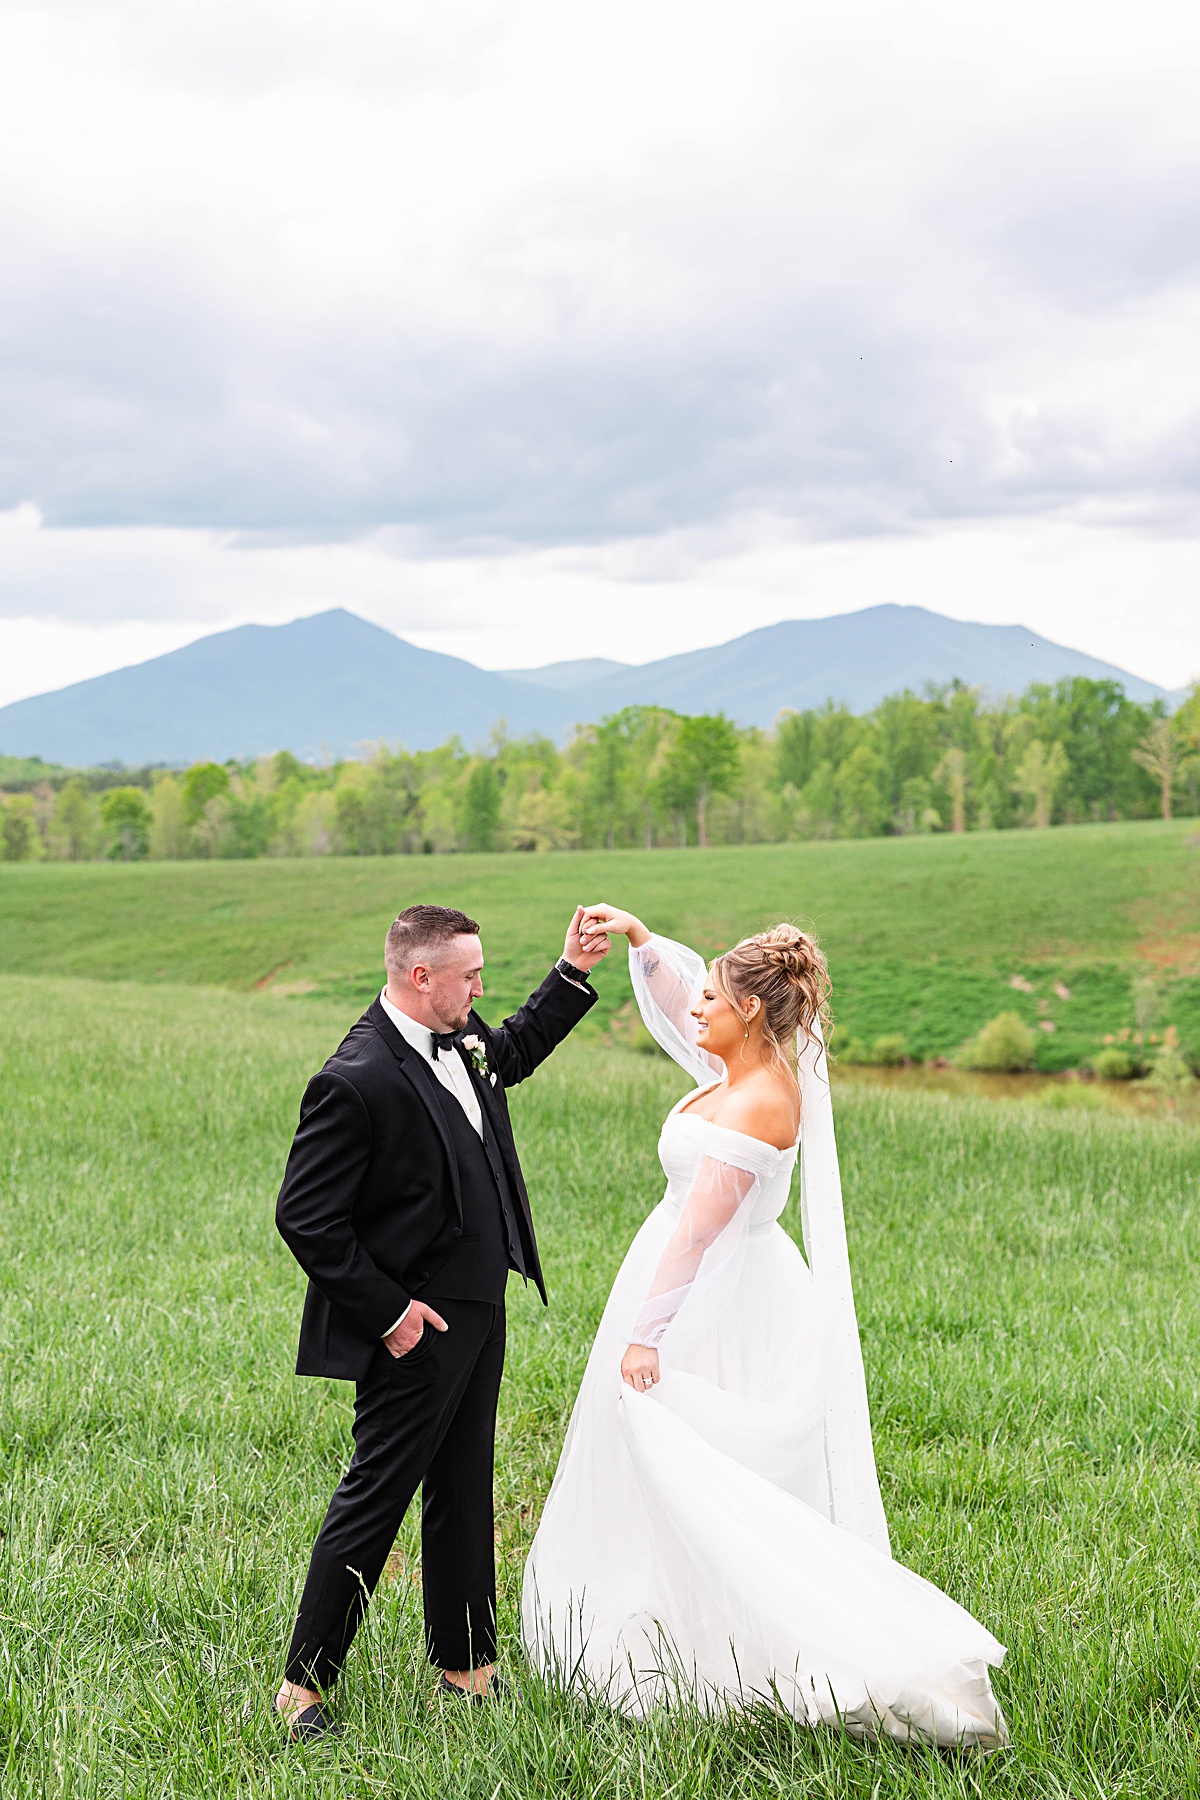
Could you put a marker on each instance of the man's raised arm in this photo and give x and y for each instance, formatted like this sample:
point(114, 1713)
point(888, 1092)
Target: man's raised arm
point(554, 1009)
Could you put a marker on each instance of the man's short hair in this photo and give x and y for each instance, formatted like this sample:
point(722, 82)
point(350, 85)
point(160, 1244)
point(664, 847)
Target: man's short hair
point(422, 931)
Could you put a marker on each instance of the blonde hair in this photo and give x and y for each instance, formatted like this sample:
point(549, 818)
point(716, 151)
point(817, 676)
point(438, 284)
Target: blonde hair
point(784, 967)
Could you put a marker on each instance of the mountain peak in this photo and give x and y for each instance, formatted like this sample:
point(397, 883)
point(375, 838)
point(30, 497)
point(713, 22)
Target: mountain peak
point(334, 681)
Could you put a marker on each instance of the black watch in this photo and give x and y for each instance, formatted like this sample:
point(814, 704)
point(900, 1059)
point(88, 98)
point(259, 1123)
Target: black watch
point(569, 972)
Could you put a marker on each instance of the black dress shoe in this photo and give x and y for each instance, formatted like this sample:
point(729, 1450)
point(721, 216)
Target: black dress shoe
point(496, 1690)
point(312, 1725)
point(446, 1686)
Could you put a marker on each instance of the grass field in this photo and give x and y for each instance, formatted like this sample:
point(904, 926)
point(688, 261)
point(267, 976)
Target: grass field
point(923, 934)
point(1026, 1284)
point(1027, 1294)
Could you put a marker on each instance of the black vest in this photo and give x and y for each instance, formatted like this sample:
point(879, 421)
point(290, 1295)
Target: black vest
point(492, 1240)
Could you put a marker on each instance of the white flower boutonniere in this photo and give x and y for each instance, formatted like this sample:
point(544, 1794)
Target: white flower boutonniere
point(478, 1055)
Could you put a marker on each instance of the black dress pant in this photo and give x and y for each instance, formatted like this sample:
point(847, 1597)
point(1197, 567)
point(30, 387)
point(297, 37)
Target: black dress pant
point(428, 1417)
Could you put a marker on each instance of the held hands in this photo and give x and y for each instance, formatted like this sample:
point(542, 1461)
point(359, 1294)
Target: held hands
point(580, 953)
point(639, 1368)
point(409, 1331)
point(601, 921)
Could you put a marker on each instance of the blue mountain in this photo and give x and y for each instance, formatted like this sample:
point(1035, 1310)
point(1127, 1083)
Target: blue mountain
point(334, 683)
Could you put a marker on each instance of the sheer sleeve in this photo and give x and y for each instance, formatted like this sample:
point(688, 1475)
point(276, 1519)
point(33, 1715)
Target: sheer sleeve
point(667, 979)
point(699, 1267)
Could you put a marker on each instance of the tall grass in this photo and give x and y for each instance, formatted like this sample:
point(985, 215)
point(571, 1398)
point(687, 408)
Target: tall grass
point(1027, 1291)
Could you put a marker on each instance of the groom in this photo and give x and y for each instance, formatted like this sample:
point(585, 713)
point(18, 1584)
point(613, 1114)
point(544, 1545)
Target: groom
point(403, 1202)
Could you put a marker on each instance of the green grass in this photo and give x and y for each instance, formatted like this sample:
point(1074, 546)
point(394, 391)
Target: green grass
point(1027, 1292)
point(923, 934)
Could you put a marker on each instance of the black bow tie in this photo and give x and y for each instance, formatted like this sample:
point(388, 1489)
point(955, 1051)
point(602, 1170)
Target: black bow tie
point(442, 1040)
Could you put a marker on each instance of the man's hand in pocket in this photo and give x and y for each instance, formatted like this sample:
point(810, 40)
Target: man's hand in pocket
point(407, 1334)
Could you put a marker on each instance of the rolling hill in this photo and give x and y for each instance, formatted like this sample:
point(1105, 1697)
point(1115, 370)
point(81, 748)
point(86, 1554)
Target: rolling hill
point(333, 682)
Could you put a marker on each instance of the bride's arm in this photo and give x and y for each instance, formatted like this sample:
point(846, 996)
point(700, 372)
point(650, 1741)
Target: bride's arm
point(666, 978)
point(608, 921)
point(701, 1250)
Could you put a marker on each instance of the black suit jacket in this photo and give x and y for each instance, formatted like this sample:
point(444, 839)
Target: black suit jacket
point(370, 1203)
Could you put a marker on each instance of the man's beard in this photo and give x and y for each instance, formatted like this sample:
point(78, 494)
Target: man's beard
point(459, 1020)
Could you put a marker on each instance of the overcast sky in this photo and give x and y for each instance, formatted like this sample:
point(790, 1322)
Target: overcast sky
point(535, 331)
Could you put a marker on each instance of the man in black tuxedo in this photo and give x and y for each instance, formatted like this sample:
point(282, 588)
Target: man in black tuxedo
point(403, 1202)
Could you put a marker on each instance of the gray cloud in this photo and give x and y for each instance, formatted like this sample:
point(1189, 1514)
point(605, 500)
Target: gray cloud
point(641, 354)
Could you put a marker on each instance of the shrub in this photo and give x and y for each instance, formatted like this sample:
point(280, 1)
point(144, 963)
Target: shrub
point(1004, 1046)
point(887, 1052)
point(1112, 1064)
point(1170, 1075)
point(1067, 1095)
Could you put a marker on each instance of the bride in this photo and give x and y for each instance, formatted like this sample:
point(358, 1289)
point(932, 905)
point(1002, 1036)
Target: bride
point(715, 1528)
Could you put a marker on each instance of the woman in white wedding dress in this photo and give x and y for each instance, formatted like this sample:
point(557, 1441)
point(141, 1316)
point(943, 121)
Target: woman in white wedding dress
point(715, 1529)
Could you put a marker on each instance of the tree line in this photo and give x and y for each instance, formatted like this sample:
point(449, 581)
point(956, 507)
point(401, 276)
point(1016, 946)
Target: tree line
point(946, 760)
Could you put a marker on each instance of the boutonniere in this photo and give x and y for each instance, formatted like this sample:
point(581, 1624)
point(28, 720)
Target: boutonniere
point(478, 1055)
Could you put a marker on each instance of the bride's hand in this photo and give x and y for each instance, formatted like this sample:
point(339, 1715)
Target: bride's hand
point(639, 1367)
point(610, 921)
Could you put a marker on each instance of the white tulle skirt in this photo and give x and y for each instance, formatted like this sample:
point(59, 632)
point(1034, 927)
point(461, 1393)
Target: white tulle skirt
point(686, 1555)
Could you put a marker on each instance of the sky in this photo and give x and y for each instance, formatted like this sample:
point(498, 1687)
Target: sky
point(535, 332)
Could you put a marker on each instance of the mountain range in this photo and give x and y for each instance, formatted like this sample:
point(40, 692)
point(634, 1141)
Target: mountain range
point(332, 683)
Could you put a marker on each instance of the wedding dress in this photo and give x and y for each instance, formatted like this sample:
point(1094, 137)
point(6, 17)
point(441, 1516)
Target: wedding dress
point(720, 1537)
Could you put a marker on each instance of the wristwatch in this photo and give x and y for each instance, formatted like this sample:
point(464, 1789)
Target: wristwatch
point(569, 972)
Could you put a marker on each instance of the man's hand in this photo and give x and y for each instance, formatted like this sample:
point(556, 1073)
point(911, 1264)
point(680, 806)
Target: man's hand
point(639, 1368)
point(407, 1334)
point(580, 955)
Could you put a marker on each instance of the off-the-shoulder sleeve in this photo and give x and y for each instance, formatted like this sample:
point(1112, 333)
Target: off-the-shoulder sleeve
point(667, 980)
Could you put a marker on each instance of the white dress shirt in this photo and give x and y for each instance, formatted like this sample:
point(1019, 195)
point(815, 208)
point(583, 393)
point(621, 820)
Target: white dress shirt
point(448, 1068)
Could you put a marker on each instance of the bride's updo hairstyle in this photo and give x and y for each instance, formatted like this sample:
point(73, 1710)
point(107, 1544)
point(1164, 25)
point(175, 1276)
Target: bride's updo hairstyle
point(785, 968)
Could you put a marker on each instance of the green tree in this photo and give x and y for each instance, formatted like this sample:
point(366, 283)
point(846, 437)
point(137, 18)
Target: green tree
point(916, 812)
point(74, 820)
point(1097, 726)
point(909, 737)
point(127, 819)
point(202, 783)
point(481, 807)
point(1187, 719)
point(350, 820)
point(703, 761)
point(952, 770)
point(606, 772)
point(817, 809)
point(795, 749)
point(168, 831)
point(1187, 725)
point(857, 788)
point(1160, 753)
point(1040, 775)
point(19, 838)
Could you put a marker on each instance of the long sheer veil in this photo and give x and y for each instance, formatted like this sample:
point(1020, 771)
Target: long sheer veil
point(854, 1499)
